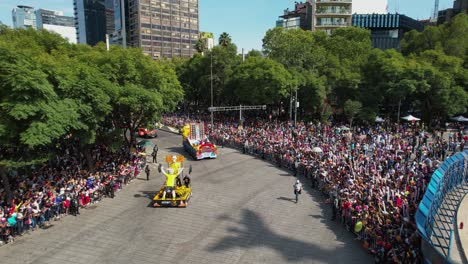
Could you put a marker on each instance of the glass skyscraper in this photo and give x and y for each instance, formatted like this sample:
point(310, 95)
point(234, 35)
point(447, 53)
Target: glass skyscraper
point(24, 17)
point(93, 20)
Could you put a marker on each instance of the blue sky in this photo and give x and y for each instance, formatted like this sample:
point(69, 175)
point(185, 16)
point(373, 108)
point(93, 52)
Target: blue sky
point(245, 20)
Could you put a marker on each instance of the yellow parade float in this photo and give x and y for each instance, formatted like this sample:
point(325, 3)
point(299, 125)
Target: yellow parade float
point(176, 192)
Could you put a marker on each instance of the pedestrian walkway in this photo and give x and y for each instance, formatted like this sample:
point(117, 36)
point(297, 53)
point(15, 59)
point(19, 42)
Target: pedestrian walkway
point(460, 239)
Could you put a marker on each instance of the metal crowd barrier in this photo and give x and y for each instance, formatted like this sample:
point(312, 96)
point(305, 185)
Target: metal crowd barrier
point(434, 221)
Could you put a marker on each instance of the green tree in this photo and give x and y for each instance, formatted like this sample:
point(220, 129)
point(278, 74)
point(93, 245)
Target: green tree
point(260, 81)
point(351, 109)
point(225, 39)
point(32, 115)
point(200, 46)
point(347, 52)
point(130, 69)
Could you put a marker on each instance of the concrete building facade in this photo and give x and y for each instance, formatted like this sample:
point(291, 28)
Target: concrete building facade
point(163, 28)
point(56, 22)
point(325, 15)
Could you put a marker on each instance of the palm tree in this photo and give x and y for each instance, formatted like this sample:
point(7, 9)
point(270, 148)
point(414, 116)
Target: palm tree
point(200, 46)
point(224, 39)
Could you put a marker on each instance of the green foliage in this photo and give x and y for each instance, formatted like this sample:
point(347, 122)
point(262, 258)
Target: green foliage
point(260, 81)
point(51, 90)
point(224, 39)
point(351, 109)
point(451, 38)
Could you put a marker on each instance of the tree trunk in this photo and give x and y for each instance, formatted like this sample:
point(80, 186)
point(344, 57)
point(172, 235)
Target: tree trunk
point(89, 159)
point(6, 185)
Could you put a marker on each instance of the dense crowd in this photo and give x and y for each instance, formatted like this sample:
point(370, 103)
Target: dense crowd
point(65, 184)
point(373, 177)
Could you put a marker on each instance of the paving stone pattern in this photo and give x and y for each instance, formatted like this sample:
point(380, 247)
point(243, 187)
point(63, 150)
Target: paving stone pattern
point(241, 212)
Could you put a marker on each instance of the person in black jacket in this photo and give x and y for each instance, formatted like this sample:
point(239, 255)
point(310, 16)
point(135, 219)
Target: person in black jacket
point(147, 171)
point(154, 154)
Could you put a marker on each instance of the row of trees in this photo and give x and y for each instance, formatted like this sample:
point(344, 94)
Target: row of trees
point(340, 72)
point(51, 90)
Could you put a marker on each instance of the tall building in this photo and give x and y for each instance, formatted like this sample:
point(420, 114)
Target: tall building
point(318, 15)
point(93, 20)
point(300, 17)
point(163, 28)
point(459, 6)
point(56, 22)
point(23, 17)
point(387, 30)
point(332, 14)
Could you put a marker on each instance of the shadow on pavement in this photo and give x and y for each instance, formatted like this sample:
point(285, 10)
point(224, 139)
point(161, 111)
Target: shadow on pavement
point(253, 232)
point(287, 199)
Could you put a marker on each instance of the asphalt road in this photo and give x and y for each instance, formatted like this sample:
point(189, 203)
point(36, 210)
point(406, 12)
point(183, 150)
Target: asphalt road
point(241, 212)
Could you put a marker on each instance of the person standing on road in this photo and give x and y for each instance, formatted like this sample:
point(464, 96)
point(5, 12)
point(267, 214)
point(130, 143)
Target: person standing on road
point(147, 170)
point(297, 189)
point(155, 153)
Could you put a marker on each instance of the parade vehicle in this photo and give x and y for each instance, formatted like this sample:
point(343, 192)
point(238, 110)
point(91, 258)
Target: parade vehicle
point(196, 143)
point(147, 133)
point(174, 193)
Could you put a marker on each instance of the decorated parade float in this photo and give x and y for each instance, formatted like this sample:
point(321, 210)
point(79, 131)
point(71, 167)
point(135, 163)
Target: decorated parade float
point(196, 143)
point(176, 191)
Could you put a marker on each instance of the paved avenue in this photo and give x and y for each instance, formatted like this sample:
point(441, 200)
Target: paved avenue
point(241, 212)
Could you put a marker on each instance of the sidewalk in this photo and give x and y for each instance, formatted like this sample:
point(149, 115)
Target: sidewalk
point(461, 235)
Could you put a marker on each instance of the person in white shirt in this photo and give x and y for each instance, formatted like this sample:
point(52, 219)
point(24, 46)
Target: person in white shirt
point(297, 189)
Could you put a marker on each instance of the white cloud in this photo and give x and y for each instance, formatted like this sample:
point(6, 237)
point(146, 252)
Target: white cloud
point(370, 6)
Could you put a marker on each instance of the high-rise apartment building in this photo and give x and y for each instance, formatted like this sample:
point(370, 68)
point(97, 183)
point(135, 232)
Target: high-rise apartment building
point(24, 17)
point(56, 22)
point(318, 15)
point(163, 28)
point(93, 20)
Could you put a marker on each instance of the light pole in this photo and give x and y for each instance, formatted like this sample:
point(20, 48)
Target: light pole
point(290, 104)
point(296, 105)
point(211, 74)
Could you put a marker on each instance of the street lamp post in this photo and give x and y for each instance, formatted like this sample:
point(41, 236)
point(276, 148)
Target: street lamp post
point(296, 105)
point(211, 74)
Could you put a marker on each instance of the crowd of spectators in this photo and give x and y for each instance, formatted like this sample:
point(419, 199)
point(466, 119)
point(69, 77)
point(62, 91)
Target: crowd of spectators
point(373, 177)
point(62, 186)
